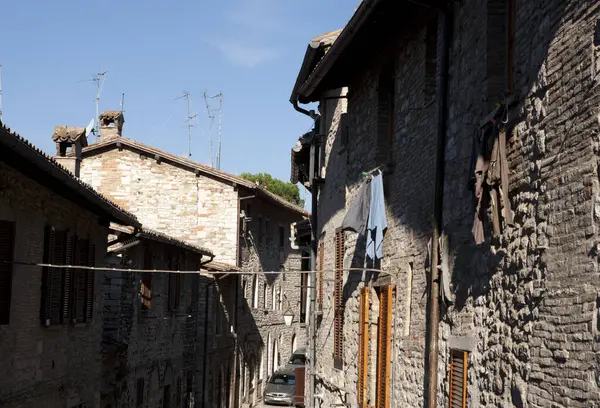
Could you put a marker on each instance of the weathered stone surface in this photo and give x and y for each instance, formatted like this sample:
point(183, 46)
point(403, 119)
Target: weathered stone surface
point(528, 297)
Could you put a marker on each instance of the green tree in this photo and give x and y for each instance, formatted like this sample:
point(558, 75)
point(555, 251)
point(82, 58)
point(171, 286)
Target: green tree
point(287, 191)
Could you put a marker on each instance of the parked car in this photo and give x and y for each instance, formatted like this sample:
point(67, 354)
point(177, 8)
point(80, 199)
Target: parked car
point(281, 388)
point(298, 358)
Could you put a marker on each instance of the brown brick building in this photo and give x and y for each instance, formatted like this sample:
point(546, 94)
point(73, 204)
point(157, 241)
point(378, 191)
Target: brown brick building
point(518, 325)
point(50, 318)
point(246, 227)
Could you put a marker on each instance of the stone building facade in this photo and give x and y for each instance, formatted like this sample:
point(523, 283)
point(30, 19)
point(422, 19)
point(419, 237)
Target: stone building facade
point(520, 324)
point(50, 318)
point(152, 322)
point(246, 227)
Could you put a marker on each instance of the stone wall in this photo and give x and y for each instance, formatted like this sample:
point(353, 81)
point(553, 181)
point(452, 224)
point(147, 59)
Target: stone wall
point(58, 366)
point(168, 198)
point(263, 299)
point(526, 303)
point(163, 347)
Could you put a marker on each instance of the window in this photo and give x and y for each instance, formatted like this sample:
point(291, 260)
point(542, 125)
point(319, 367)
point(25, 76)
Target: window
point(255, 291)
point(267, 232)
point(501, 29)
point(280, 304)
point(218, 312)
point(363, 349)
point(167, 396)
point(384, 347)
point(7, 240)
point(386, 111)
point(261, 367)
point(174, 283)
point(458, 378)
point(273, 301)
point(82, 298)
point(261, 230)
point(264, 295)
point(67, 294)
point(510, 57)
point(275, 355)
point(179, 392)
point(269, 354)
point(139, 392)
point(338, 317)
point(281, 238)
point(431, 48)
point(344, 132)
point(321, 274)
point(283, 379)
point(146, 281)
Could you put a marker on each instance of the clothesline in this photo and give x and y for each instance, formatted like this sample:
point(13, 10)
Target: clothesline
point(201, 272)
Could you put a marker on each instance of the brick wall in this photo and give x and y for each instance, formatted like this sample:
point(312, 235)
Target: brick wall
point(168, 198)
point(57, 366)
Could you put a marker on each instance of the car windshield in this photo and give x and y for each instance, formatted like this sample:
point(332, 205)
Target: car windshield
point(297, 359)
point(283, 379)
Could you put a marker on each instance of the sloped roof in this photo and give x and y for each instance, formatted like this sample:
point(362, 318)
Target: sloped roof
point(214, 266)
point(192, 165)
point(167, 239)
point(18, 152)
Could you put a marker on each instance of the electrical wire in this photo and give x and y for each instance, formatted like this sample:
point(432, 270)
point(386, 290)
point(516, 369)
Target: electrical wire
point(201, 272)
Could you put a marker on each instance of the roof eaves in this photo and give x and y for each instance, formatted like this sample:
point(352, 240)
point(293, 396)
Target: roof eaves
point(29, 152)
point(167, 239)
point(360, 17)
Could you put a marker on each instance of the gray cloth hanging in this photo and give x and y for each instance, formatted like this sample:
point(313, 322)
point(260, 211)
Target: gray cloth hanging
point(358, 213)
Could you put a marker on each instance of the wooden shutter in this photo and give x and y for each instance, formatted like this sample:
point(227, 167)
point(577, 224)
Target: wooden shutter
point(7, 238)
point(338, 301)
point(53, 292)
point(321, 267)
point(384, 347)
point(174, 284)
point(67, 287)
point(79, 281)
point(89, 283)
point(146, 281)
point(363, 351)
point(458, 378)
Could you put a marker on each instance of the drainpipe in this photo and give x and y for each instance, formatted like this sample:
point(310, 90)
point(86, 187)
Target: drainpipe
point(205, 342)
point(434, 317)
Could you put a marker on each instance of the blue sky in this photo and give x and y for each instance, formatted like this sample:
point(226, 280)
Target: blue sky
point(251, 50)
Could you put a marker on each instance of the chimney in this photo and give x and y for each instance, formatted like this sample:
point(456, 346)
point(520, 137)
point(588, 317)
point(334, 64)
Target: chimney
point(69, 142)
point(111, 125)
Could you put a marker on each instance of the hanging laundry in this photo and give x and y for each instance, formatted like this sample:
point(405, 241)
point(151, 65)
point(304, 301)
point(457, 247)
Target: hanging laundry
point(377, 220)
point(489, 176)
point(358, 214)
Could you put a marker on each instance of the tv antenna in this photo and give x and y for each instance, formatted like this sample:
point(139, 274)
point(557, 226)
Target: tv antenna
point(122, 103)
point(0, 92)
point(99, 80)
point(211, 117)
point(187, 97)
